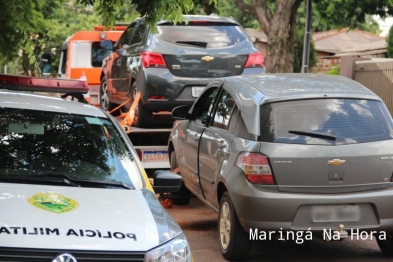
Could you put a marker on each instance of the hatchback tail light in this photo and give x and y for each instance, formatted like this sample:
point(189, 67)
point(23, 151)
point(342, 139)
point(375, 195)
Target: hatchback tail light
point(150, 59)
point(256, 168)
point(255, 60)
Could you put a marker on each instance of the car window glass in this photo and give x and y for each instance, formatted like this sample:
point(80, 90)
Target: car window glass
point(98, 54)
point(345, 121)
point(38, 142)
point(210, 35)
point(202, 106)
point(139, 34)
point(126, 37)
point(223, 111)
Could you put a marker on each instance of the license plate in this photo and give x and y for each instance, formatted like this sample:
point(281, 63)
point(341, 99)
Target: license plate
point(335, 213)
point(197, 90)
point(151, 156)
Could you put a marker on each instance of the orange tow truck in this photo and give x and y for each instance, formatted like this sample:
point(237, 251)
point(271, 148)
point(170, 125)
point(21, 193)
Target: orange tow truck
point(81, 56)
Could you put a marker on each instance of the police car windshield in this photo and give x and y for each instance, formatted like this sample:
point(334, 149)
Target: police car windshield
point(39, 142)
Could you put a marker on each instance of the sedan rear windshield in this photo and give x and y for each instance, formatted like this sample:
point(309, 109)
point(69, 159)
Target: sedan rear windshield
point(39, 143)
point(325, 122)
point(211, 35)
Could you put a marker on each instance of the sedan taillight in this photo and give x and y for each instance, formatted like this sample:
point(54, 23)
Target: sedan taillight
point(256, 168)
point(150, 59)
point(255, 60)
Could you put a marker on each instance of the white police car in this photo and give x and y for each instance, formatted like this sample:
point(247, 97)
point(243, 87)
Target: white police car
point(71, 185)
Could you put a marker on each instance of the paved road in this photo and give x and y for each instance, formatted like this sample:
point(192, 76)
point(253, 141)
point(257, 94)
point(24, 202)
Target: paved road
point(200, 226)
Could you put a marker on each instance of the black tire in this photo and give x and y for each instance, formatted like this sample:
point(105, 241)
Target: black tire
point(173, 161)
point(183, 193)
point(234, 241)
point(105, 104)
point(386, 245)
point(142, 115)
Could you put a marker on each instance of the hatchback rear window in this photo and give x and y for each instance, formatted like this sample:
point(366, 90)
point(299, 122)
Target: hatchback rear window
point(326, 122)
point(209, 35)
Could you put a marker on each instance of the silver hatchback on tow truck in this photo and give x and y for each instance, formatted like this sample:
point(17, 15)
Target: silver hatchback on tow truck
point(288, 156)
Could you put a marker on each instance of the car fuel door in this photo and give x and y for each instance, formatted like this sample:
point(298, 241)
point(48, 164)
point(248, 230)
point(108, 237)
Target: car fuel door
point(189, 145)
point(214, 147)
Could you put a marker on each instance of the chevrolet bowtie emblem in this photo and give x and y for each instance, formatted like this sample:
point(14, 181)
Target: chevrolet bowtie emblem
point(336, 162)
point(207, 58)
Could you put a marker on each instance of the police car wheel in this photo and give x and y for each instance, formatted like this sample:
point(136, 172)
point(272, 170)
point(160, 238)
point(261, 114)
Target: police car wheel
point(386, 244)
point(234, 241)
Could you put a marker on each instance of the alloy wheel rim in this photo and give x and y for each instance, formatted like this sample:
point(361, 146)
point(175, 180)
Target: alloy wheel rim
point(225, 225)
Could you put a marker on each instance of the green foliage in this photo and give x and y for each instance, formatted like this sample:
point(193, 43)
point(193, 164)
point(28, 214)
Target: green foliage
point(389, 41)
point(52, 23)
point(351, 13)
point(335, 70)
point(229, 9)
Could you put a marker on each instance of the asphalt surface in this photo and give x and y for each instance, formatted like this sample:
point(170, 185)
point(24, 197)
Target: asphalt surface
point(199, 223)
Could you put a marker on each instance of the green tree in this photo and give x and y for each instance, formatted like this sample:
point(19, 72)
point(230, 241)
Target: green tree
point(389, 41)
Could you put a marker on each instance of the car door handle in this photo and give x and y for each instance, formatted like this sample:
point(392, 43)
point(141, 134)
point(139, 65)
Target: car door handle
point(222, 144)
point(196, 137)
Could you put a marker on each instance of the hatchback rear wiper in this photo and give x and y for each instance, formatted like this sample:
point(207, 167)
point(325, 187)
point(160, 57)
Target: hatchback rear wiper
point(194, 43)
point(312, 134)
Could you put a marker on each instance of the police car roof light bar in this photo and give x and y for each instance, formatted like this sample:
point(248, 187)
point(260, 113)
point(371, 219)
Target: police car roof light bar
point(37, 84)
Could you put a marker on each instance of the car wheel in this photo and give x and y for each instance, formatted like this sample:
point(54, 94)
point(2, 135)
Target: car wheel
point(386, 245)
point(234, 241)
point(142, 115)
point(105, 104)
point(183, 193)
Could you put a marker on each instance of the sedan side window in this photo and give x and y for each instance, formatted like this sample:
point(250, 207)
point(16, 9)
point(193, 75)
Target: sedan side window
point(224, 110)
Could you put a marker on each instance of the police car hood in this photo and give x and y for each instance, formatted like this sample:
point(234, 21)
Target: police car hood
point(53, 217)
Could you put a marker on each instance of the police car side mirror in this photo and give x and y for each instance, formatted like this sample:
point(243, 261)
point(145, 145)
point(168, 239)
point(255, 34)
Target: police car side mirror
point(166, 182)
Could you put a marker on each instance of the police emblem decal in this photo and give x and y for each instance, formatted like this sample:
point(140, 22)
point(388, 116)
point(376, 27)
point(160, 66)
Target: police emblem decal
point(53, 202)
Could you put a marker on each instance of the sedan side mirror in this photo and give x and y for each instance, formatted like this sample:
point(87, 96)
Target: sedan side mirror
point(166, 182)
point(180, 113)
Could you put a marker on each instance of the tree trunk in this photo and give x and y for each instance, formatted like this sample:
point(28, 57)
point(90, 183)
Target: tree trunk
point(281, 37)
point(280, 28)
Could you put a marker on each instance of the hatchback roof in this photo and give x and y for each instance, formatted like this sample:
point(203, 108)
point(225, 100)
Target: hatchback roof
point(287, 86)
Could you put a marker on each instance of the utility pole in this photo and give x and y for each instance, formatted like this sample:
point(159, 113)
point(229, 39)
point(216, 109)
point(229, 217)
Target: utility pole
point(306, 43)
